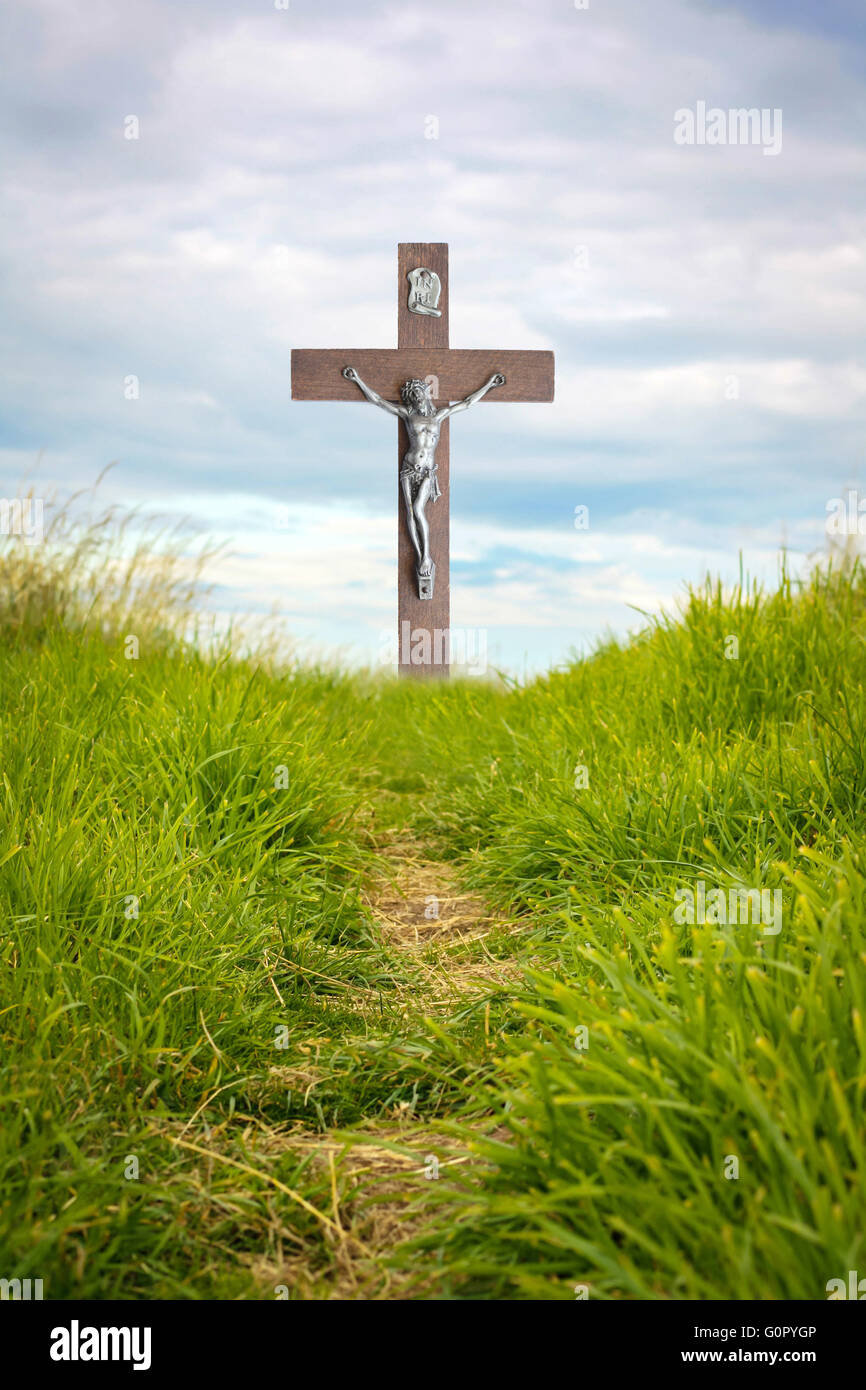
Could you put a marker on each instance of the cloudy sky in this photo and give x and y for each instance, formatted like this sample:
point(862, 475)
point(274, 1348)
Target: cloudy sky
point(705, 301)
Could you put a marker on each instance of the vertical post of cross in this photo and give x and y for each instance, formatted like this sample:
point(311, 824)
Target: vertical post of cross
point(423, 625)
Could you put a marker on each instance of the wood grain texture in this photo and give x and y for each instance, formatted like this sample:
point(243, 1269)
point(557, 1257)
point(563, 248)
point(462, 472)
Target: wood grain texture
point(316, 372)
point(421, 330)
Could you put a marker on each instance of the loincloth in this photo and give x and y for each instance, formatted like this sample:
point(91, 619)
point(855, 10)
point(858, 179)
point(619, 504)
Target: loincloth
point(417, 472)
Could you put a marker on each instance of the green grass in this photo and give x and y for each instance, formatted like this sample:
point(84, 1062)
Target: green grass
point(191, 980)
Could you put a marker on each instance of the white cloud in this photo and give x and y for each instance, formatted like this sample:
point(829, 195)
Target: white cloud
point(282, 155)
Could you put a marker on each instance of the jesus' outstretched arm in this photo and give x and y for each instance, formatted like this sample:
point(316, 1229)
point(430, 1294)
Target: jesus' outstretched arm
point(496, 380)
point(351, 375)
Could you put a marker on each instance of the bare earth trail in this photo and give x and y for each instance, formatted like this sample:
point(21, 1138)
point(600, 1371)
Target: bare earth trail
point(423, 910)
point(420, 910)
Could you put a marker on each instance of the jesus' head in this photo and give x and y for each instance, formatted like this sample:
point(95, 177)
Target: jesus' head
point(416, 397)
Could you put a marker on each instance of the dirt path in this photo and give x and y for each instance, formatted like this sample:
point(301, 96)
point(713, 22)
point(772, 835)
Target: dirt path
point(422, 909)
point(419, 908)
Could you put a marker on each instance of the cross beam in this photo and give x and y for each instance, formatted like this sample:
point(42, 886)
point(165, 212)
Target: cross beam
point(422, 352)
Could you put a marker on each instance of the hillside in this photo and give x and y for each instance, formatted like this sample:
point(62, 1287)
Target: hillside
point(321, 985)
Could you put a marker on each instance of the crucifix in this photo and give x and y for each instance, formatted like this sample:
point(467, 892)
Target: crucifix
point(422, 383)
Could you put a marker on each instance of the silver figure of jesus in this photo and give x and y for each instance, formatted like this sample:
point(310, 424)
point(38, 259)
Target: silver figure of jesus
point(418, 481)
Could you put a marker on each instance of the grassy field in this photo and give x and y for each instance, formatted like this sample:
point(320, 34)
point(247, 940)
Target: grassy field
point(277, 943)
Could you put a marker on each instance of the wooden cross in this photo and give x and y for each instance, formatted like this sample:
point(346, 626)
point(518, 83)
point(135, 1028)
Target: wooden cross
point(423, 352)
